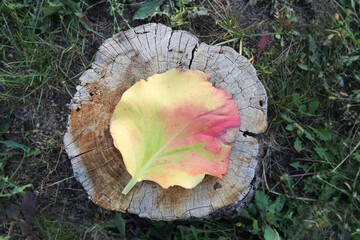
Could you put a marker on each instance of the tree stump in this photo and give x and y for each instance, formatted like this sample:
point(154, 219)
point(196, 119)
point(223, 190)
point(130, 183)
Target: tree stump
point(137, 54)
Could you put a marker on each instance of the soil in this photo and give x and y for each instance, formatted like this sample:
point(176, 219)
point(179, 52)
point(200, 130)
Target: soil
point(43, 126)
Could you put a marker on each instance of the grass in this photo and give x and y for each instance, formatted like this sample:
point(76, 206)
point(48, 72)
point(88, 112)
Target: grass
point(314, 116)
point(231, 22)
point(33, 64)
point(310, 69)
point(33, 61)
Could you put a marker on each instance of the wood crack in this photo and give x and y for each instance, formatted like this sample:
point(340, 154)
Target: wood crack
point(80, 154)
point(192, 55)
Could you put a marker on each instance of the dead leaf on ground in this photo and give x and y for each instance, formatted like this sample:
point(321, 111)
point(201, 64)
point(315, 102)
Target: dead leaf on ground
point(26, 231)
point(28, 125)
point(28, 206)
point(264, 40)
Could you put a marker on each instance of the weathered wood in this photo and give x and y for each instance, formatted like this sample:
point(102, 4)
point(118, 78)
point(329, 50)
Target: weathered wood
point(137, 54)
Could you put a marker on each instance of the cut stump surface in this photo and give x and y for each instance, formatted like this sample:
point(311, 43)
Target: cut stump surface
point(137, 54)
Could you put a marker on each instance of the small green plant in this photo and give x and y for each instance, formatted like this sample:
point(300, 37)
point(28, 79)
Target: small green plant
point(68, 11)
point(119, 224)
point(235, 32)
point(178, 12)
point(266, 216)
point(32, 61)
point(117, 10)
point(56, 228)
point(210, 229)
point(9, 187)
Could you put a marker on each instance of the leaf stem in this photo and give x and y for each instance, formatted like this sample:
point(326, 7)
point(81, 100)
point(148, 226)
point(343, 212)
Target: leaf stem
point(129, 186)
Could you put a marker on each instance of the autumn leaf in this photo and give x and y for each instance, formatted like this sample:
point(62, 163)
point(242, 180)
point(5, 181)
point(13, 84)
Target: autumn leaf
point(174, 128)
point(264, 40)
